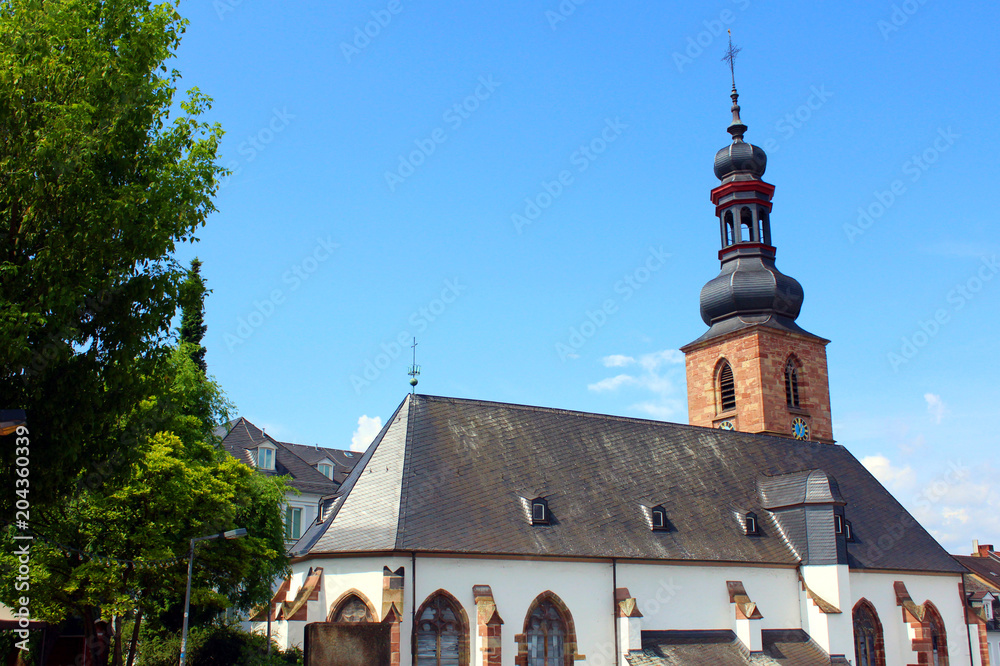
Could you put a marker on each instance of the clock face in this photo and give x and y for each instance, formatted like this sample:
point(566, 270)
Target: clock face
point(800, 429)
point(726, 425)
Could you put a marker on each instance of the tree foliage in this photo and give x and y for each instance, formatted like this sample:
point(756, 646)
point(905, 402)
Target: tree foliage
point(122, 545)
point(192, 297)
point(101, 175)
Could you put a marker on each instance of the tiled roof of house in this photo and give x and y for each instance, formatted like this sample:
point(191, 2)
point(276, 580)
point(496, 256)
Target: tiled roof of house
point(986, 570)
point(457, 476)
point(244, 437)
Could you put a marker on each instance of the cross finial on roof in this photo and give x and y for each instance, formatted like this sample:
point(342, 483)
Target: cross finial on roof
point(730, 57)
point(414, 369)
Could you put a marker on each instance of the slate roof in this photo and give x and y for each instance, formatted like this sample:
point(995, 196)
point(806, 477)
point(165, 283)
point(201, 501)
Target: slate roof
point(293, 460)
point(721, 648)
point(457, 476)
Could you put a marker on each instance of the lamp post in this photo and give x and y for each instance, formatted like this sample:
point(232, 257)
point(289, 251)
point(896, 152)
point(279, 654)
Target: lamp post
point(231, 534)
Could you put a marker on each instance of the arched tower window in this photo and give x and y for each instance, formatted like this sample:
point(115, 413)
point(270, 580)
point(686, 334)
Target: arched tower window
point(791, 383)
point(442, 632)
point(549, 637)
point(763, 228)
point(746, 225)
point(352, 607)
point(868, 643)
point(726, 387)
point(728, 229)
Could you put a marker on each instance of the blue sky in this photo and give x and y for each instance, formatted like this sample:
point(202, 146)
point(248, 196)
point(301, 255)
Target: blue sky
point(385, 185)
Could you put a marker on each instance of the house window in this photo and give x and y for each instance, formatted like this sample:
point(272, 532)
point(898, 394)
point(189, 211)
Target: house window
point(727, 388)
point(293, 523)
point(659, 515)
point(265, 458)
point(750, 524)
point(791, 384)
point(326, 470)
point(868, 645)
point(838, 524)
point(539, 511)
point(546, 636)
point(848, 531)
point(440, 633)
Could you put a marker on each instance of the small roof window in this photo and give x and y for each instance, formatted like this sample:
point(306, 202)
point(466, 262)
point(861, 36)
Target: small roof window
point(658, 516)
point(750, 524)
point(540, 511)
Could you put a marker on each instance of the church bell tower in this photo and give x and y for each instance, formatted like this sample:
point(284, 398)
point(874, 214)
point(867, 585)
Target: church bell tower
point(754, 370)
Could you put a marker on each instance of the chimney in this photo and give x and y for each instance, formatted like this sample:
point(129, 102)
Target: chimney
point(984, 550)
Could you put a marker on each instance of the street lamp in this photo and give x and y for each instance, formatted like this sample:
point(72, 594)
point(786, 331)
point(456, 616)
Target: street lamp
point(231, 534)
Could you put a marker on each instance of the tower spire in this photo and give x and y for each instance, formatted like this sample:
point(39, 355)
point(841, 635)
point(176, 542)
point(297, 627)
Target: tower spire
point(736, 128)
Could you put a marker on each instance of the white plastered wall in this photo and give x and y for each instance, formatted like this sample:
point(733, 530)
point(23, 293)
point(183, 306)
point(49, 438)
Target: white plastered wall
point(941, 590)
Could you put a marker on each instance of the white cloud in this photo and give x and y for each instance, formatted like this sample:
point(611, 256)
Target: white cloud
point(617, 361)
point(658, 376)
point(897, 479)
point(368, 427)
point(935, 407)
point(613, 383)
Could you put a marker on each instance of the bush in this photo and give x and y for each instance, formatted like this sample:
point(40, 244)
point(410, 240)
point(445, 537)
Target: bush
point(215, 645)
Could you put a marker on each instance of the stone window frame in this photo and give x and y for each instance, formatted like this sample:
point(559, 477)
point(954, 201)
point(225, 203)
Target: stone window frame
point(865, 605)
point(720, 366)
point(569, 645)
point(345, 597)
point(464, 645)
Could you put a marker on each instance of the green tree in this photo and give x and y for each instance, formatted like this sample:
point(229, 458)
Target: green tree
point(120, 547)
point(192, 297)
point(101, 175)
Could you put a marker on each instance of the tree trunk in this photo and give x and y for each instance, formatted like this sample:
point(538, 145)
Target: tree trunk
point(135, 637)
point(116, 658)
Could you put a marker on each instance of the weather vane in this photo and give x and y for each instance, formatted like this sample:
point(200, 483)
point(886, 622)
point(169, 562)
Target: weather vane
point(414, 369)
point(730, 57)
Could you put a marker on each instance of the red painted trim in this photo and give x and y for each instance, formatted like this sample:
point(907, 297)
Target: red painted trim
point(729, 248)
point(742, 186)
point(743, 202)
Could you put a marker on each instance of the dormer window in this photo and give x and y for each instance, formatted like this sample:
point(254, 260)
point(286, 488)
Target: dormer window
point(540, 511)
point(659, 518)
point(838, 524)
point(750, 524)
point(265, 457)
point(326, 470)
point(848, 531)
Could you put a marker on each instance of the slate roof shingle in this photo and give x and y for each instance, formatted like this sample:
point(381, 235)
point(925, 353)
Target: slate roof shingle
point(448, 475)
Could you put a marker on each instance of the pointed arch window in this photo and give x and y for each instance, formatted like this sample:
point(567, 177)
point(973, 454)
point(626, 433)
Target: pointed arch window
point(868, 644)
point(442, 632)
point(546, 636)
point(938, 638)
point(352, 608)
point(791, 383)
point(727, 388)
point(730, 229)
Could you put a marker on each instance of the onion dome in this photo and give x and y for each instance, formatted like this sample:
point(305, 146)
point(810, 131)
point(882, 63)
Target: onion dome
point(749, 286)
point(739, 158)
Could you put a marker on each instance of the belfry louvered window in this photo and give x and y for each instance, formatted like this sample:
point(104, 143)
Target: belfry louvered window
point(727, 388)
point(439, 634)
point(791, 384)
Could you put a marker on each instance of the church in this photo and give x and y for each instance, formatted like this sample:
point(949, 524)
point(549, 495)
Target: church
point(475, 533)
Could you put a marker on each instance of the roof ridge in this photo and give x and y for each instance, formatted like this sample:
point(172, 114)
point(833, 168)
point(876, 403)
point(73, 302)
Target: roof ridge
point(596, 415)
point(404, 495)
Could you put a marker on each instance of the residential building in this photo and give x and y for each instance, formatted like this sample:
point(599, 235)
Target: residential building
point(982, 591)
